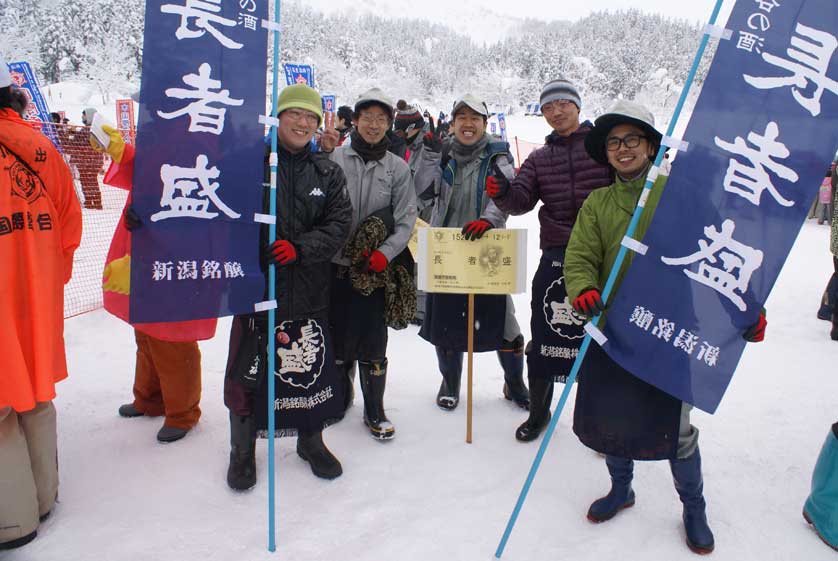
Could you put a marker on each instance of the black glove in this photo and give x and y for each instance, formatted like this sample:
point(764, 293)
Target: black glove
point(132, 219)
point(433, 139)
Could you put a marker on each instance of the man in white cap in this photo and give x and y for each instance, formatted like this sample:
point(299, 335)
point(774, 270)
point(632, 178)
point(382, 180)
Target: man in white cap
point(380, 186)
point(40, 228)
point(453, 179)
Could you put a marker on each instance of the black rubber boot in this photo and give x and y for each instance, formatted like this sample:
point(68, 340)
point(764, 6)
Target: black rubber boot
point(511, 358)
point(621, 494)
point(690, 486)
point(373, 382)
point(347, 371)
point(241, 475)
point(828, 298)
point(311, 448)
point(541, 397)
point(451, 368)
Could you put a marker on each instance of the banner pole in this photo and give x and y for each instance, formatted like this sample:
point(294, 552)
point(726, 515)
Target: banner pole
point(609, 285)
point(518, 152)
point(272, 296)
point(470, 349)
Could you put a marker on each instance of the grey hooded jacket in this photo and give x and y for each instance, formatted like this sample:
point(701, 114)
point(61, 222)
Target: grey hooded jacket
point(375, 185)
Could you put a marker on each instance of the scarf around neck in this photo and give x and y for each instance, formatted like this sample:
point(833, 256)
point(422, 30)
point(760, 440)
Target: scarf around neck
point(366, 150)
point(465, 153)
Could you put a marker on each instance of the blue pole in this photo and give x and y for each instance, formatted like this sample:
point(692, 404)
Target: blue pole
point(272, 296)
point(609, 285)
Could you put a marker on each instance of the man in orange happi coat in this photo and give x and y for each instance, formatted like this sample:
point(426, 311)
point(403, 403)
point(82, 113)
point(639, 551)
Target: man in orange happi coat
point(40, 229)
point(167, 378)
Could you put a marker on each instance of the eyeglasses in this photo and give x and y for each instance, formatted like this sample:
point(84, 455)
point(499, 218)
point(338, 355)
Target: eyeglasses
point(296, 115)
point(380, 121)
point(553, 106)
point(612, 143)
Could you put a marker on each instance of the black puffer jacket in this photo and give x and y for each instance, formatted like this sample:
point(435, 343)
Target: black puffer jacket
point(314, 213)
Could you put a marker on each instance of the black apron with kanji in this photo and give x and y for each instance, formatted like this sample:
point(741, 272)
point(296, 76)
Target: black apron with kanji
point(557, 330)
point(308, 394)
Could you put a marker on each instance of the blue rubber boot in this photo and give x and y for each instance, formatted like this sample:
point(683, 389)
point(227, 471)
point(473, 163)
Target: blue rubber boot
point(821, 508)
point(690, 487)
point(621, 495)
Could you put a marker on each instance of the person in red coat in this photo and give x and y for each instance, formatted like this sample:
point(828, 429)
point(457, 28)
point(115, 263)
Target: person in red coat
point(167, 377)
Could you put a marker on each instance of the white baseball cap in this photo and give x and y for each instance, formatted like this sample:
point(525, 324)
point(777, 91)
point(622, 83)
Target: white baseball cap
point(5, 77)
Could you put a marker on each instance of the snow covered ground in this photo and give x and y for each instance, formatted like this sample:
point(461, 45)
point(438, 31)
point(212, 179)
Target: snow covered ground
point(428, 494)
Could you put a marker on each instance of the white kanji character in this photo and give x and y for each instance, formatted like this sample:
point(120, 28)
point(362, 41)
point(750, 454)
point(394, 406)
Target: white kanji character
point(686, 341)
point(249, 5)
point(187, 270)
point(749, 42)
point(750, 181)
point(767, 5)
point(564, 314)
point(664, 329)
point(708, 353)
point(211, 270)
point(188, 192)
point(248, 21)
point(233, 270)
point(204, 13)
point(642, 317)
point(722, 279)
point(161, 270)
point(810, 55)
point(202, 116)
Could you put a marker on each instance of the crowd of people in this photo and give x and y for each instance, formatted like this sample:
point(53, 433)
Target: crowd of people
point(346, 211)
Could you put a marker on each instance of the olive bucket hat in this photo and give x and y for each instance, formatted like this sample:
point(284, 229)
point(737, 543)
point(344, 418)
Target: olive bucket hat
point(622, 112)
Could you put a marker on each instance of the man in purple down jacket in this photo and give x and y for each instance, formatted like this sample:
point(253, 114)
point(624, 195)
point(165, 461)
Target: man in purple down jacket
point(561, 175)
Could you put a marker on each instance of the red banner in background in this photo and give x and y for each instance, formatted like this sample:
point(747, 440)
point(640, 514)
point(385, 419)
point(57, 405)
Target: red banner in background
point(125, 119)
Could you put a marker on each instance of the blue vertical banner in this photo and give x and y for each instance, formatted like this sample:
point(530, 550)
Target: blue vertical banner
point(24, 78)
point(329, 104)
point(298, 74)
point(759, 142)
point(493, 128)
point(199, 164)
point(502, 125)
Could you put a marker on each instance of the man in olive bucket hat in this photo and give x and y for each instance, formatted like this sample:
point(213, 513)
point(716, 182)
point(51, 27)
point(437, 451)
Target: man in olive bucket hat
point(617, 413)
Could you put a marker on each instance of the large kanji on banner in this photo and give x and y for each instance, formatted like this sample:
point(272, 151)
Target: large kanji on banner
point(761, 137)
point(200, 160)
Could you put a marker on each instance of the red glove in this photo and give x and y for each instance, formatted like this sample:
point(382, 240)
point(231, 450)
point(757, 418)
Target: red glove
point(377, 261)
point(283, 253)
point(497, 184)
point(475, 229)
point(589, 303)
point(756, 333)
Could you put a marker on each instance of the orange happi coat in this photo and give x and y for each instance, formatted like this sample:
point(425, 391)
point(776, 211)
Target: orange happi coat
point(40, 229)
